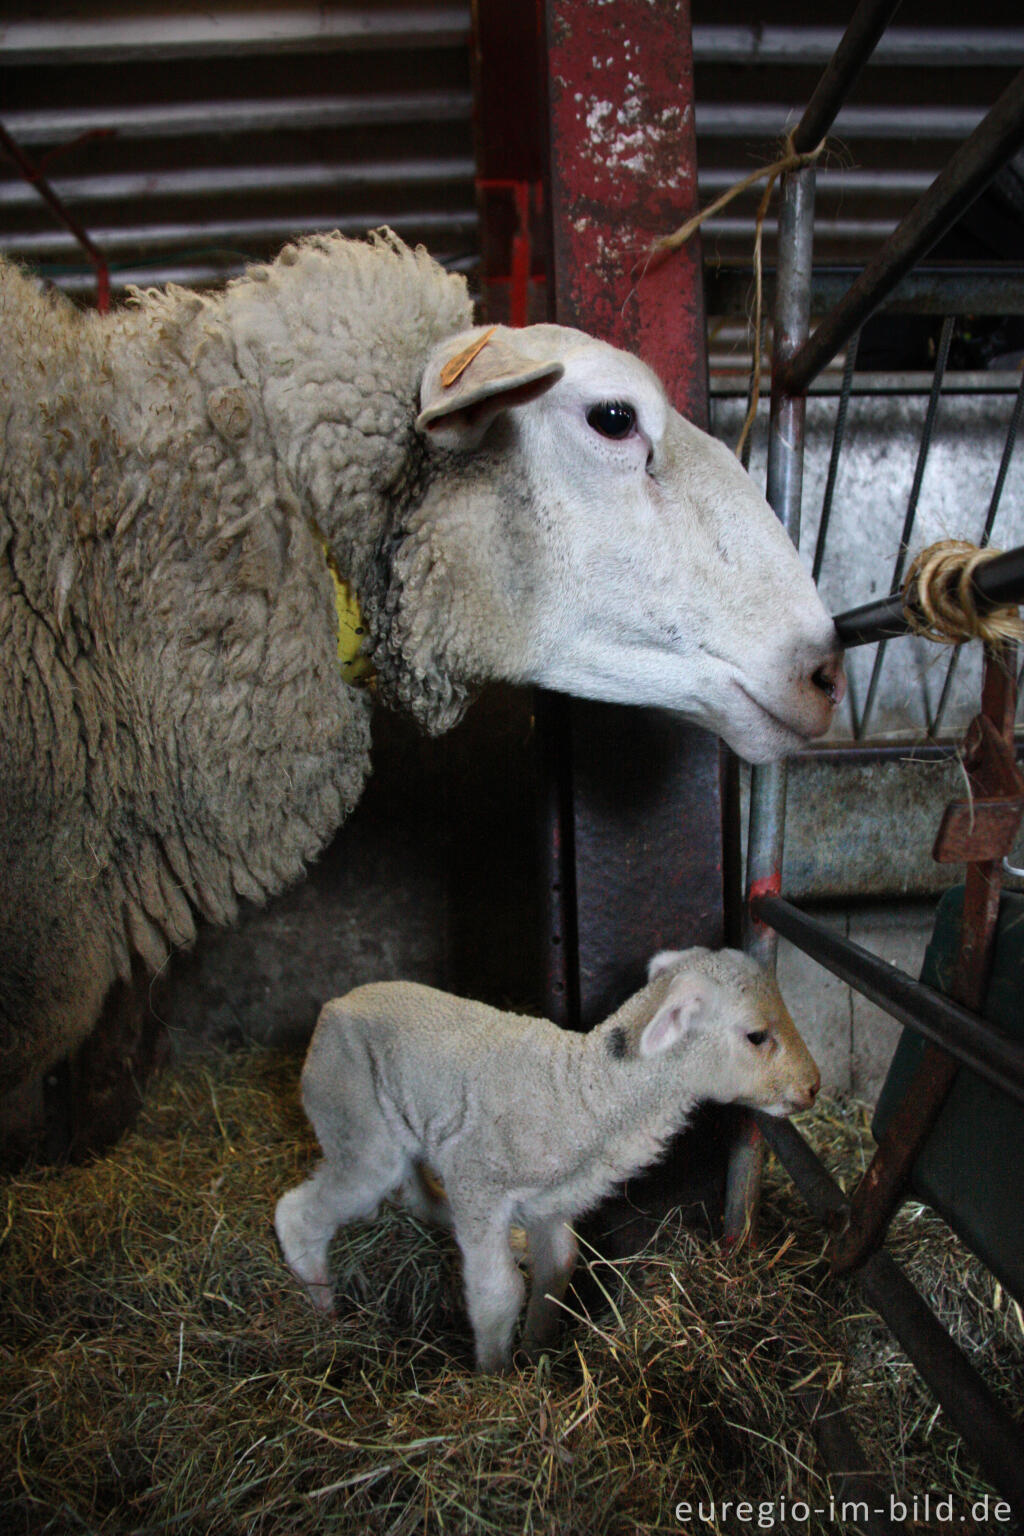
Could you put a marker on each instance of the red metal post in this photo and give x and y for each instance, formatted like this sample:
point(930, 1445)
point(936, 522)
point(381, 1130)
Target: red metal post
point(623, 173)
point(644, 800)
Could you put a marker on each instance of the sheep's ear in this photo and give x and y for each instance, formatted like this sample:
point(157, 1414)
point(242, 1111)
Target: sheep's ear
point(471, 378)
point(686, 1003)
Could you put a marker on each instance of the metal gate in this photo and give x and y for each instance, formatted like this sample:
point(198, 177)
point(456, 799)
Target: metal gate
point(950, 1023)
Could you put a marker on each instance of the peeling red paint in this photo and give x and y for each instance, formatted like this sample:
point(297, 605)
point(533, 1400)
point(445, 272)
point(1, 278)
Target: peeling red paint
point(624, 173)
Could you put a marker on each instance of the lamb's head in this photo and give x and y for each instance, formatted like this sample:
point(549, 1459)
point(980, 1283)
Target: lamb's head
point(723, 1017)
point(609, 548)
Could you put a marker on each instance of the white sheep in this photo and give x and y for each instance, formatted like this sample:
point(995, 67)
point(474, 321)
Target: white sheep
point(175, 733)
point(524, 1122)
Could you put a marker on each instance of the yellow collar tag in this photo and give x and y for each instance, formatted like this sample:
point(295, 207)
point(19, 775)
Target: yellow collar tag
point(355, 667)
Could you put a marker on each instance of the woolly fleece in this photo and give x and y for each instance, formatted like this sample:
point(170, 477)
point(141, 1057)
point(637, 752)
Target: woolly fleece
point(174, 731)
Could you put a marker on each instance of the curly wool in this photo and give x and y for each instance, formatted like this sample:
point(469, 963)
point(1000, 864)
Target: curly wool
point(174, 731)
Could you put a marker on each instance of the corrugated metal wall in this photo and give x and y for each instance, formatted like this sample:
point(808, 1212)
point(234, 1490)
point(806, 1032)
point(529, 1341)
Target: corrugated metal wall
point(190, 138)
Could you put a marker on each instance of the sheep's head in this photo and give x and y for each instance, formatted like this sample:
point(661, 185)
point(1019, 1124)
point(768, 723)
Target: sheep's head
point(594, 542)
point(724, 1016)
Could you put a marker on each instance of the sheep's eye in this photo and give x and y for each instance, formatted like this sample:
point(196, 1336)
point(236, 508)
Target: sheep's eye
point(612, 418)
point(758, 1036)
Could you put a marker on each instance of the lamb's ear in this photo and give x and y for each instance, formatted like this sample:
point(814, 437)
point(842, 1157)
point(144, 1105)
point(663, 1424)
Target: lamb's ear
point(686, 1003)
point(469, 379)
point(664, 960)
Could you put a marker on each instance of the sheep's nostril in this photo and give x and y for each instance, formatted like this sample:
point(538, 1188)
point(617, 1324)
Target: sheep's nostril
point(830, 680)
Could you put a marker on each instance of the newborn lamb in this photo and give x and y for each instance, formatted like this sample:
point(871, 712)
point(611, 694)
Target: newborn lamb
point(524, 1122)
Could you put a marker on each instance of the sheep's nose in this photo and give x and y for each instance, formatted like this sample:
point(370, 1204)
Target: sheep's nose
point(830, 679)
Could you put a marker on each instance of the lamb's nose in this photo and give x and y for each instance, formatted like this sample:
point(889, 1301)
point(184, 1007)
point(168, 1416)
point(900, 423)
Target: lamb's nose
point(830, 679)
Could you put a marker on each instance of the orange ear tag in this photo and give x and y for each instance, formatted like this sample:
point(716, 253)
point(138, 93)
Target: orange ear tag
point(456, 366)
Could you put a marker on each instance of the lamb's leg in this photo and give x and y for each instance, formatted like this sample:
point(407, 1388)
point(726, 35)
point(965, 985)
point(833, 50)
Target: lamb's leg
point(494, 1286)
point(552, 1261)
point(308, 1216)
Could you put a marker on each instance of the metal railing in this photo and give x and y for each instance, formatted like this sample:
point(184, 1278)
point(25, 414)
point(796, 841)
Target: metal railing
point(800, 355)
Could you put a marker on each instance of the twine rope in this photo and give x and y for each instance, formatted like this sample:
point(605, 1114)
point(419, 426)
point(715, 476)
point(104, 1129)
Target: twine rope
point(939, 602)
point(790, 160)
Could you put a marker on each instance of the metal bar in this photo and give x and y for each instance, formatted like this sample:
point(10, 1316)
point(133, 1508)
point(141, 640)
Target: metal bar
point(785, 485)
point(910, 516)
point(39, 185)
point(949, 47)
point(880, 1190)
point(968, 1402)
point(995, 288)
point(971, 1406)
point(975, 1043)
point(986, 534)
point(856, 46)
point(998, 137)
point(838, 433)
point(767, 817)
point(1001, 580)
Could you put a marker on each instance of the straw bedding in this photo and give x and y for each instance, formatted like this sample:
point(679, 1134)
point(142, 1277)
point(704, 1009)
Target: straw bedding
point(162, 1373)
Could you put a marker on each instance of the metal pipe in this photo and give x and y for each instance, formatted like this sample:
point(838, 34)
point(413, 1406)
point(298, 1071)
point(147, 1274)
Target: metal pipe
point(785, 483)
point(910, 516)
point(998, 137)
point(767, 820)
point(1000, 580)
point(856, 46)
point(838, 433)
point(823, 1196)
point(975, 1043)
point(949, 289)
point(968, 1402)
point(39, 185)
point(986, 534)
point(966, 1399)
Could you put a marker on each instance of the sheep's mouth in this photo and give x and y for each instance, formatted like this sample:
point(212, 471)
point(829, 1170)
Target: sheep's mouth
point(795, 734)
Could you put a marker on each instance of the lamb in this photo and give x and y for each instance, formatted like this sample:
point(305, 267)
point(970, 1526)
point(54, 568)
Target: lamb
point(179, 479)
point(523, 1121)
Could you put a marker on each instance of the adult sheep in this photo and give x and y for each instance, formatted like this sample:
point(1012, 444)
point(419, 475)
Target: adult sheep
point(174, 730)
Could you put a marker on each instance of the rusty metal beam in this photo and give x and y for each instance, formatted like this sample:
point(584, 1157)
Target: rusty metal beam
point(970, 1404)
point(645, 817)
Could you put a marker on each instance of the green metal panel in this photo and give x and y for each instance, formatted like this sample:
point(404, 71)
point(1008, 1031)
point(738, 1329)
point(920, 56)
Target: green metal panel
point(971, 1169)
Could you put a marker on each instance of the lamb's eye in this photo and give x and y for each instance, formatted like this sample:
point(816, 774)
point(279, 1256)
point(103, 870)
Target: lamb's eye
point(612, 418)
point(758, 1036)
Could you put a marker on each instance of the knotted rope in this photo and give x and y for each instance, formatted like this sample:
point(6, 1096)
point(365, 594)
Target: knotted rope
point(939, 601)
point(790, 160)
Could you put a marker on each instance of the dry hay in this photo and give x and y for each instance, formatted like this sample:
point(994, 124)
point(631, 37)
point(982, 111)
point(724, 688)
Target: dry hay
point(162, 1372)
